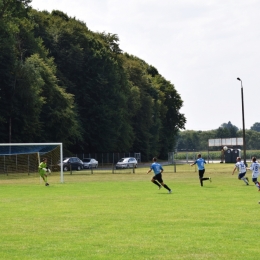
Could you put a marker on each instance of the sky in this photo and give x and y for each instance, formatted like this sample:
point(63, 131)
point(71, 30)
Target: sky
point(200, 46)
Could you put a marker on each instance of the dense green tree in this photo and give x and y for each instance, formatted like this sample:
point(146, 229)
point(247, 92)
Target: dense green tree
point(199, 139)
point(157, 118)
point(229, 126)
point(142, 104)
point(188, 140)
point(28, 80)
point(252, 139)
point(232, 129)
point(55, 106)
point(204, 137)
point(171, 119)
point(7, 63)
point(13, 17)
point(222, 133)
point(62, 82)
point(13, 8)
point(255, 127)
point(227, 130)
point(89, 66)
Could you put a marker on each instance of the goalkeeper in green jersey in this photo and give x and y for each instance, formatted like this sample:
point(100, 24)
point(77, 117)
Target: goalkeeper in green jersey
point(43, 169)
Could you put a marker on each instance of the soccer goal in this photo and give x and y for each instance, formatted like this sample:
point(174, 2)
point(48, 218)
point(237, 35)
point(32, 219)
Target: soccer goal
point(21, 158)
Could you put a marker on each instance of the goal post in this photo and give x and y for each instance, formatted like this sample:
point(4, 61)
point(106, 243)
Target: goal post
point(26, 157)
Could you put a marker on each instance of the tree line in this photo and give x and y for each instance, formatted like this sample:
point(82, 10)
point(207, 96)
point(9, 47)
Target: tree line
point(61, 82)
point(198, 140)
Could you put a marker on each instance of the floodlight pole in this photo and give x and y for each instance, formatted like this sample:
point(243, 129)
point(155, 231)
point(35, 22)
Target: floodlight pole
point(243, 120)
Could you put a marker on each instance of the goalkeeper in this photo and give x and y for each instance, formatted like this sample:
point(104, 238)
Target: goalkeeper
point(43, 169)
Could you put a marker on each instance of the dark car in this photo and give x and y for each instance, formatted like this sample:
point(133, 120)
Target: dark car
point(72, 163)
point(128, 162)
point(90, 163)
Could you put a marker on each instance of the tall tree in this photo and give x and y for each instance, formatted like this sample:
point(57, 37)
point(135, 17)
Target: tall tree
point(13, 17)
point(229, 126)
point(57, 74)
point(13, 8)
point(28, 81)
point(255, 127)
point(172, 119)
point(89, 67)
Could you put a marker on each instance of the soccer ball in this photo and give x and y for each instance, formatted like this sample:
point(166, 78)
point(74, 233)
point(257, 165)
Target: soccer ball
point(225, 148)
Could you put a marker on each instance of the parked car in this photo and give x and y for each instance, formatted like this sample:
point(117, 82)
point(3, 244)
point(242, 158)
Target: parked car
point(128, 162)
point(90, 163)
point(73, 163)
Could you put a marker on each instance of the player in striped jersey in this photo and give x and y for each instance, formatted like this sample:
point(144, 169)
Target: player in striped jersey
point(242, 170)
point(255, 172)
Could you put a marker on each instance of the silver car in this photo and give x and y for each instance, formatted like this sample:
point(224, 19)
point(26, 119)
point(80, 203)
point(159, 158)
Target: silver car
point(90, 163)
point(128, 162)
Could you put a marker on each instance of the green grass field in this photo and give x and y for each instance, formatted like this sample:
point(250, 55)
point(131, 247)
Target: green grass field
point(125, 216)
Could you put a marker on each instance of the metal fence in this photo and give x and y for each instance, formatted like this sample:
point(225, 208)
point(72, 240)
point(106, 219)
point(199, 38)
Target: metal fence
point(108, 168)
point(109, 158)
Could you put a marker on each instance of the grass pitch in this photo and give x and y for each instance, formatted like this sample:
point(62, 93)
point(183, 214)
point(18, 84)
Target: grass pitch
point(125, 216)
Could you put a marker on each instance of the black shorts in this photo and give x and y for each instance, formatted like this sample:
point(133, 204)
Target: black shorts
point(158, 177)
point(201, 173)
point(241, 175)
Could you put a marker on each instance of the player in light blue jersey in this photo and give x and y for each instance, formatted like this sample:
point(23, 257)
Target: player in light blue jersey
point(255, 172)
point(157, 178)
point(241, 167)
point(200, 164)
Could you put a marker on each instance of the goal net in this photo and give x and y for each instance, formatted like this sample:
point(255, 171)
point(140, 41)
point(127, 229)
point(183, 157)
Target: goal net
point(24, 158)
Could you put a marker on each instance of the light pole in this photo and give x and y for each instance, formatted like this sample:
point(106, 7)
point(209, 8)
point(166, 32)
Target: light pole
point(243, 121)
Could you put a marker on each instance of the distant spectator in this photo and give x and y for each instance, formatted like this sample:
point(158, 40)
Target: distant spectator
point(222, 156)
